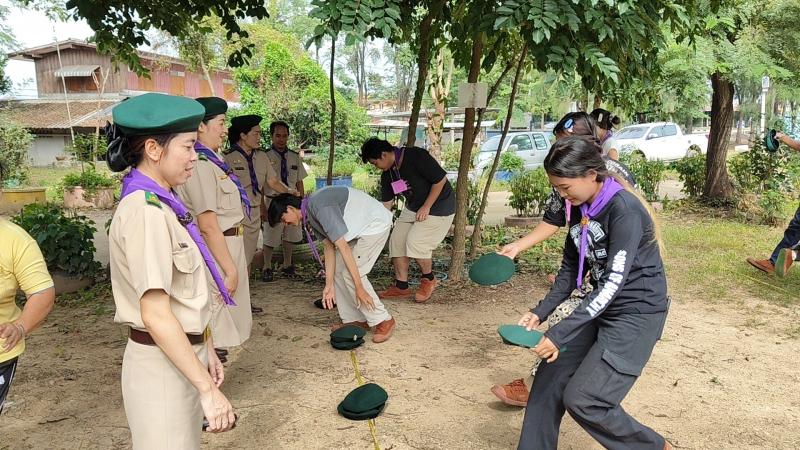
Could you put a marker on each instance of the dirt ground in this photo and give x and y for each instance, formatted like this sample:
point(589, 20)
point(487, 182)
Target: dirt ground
point(722, 377)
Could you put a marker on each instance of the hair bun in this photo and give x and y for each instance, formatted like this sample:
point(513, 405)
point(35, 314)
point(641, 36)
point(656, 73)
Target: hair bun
point(615, 120)
point(116, 148)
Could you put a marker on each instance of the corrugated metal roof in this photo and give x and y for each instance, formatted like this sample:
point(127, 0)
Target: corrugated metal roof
point(76, 71)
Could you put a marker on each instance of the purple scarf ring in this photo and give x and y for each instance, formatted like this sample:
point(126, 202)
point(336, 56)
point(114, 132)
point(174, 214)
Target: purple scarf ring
point(137, 181)
point(610, 187)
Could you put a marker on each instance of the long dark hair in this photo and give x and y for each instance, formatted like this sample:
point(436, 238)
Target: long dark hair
point(577, 156)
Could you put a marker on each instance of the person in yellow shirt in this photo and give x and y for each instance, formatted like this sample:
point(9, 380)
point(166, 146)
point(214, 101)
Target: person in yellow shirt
point(22, 266)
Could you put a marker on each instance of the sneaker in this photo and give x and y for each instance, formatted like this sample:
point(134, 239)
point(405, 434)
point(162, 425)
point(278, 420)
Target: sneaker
point(784, 262)
point(363, 325)
point(763, 265)
point(383, 331)
point(514, 393)
point(395, 292)
point(288, 271)
point(256, 309)
point(267, 276)
point(425, 290)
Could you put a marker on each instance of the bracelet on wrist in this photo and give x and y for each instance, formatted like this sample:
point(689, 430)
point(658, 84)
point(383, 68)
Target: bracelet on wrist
point(21, 328)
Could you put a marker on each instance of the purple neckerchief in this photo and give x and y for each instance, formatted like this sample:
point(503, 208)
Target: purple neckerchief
point(137, 181)
point(307, 228)
point(398, 157)
point(609, 134)
point(250, 168)
point(610, 187)
point(212, 156)
point(284, 164)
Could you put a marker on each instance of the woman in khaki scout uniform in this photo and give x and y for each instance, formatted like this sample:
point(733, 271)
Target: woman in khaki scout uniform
point(170, 372)
point(255, 172)
point(219, 204)
point(288, 165)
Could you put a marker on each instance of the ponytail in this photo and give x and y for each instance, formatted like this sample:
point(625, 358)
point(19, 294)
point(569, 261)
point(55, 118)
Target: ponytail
point(605, 119)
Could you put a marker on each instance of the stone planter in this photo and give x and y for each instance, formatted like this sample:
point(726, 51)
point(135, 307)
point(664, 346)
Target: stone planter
point(452, 175)
point(521, 221)
point(13, 200)
point(335, 181)
point(66, 284)
point(76, 197)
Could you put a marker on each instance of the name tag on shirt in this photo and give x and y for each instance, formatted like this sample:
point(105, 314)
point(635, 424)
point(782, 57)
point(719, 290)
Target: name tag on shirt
point(238, 168)
point(183, 245)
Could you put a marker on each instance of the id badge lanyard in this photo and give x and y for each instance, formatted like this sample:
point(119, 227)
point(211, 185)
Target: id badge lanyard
point(400, 185)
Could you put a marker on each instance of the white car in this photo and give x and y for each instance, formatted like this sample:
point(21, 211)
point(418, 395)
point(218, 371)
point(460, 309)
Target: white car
point(531, 146)
point(661, 140)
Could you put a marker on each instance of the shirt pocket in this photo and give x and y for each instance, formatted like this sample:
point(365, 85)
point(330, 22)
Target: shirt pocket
point(186, 274)
point(227, 194)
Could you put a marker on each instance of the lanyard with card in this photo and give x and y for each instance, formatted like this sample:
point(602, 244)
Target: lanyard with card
point(401, 185)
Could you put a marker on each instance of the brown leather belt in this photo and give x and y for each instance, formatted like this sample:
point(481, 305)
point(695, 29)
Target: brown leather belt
point(144, 338)
point(235, 231)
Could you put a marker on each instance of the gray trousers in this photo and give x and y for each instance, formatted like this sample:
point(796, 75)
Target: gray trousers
point(589, 380)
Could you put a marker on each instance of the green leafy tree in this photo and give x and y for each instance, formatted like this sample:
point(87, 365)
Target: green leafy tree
point(281, 66)
point(120, 26)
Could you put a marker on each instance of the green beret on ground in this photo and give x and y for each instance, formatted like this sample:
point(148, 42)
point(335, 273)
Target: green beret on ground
point(492, 268)
point(153, 113)
point(518, 335)
point(364, 402)
point(214, 106)
point(770, 142)
point(347, 337)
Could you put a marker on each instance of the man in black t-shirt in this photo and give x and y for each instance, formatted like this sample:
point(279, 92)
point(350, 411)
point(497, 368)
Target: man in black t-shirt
point(430, 205)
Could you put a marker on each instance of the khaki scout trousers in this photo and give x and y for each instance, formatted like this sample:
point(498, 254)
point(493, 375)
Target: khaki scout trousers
point(252, 227)
point(231, 325)
point(162, 407)
point(366, 250)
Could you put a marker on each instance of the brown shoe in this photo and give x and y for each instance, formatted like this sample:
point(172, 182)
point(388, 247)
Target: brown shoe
point(383, 331)
point(784, 262)
point(763, 265)
point(514, 393)
point(337, 326)
point(395, 292)
point(425, 290)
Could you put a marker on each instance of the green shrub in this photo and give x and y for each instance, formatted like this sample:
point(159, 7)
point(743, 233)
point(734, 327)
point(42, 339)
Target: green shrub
point(529, 192)
point(758, 170)
point(90, 180)
point(649, 175)
point(451, 155)
point(14, 142)
point(66, 239)
point(83, 149)
point(771, 203)
point(692, 173)
point(511, 162)
point(474, 193)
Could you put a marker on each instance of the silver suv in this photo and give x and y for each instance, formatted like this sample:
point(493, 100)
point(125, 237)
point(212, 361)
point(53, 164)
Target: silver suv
point(531, 146)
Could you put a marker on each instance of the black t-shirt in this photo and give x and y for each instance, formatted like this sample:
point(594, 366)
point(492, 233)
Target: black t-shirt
point(420, 171)
point(554, 212)
point(624, 264)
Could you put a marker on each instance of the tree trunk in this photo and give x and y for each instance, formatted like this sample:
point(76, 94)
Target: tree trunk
point(439, 91)
point(794, 114)
point(689, 125)
point(423, 61)
point(598, 101)
point(204, 68)
point(475, 242)
point(718, 186)
point(462, 194)
point(332, 148)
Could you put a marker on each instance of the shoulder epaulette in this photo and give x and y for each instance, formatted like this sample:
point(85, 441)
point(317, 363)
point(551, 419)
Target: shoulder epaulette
point(152, 199)
point(202, 157)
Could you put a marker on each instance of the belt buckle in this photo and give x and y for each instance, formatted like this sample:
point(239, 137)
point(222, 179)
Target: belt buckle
point(240, 230)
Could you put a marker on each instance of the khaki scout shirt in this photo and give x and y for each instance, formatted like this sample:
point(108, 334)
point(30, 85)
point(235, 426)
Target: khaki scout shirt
point(210, 189)
point(150, 249)
point(295, 165)
point(262, 167)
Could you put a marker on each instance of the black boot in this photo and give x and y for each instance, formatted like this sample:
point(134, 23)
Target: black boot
point(267, 276)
